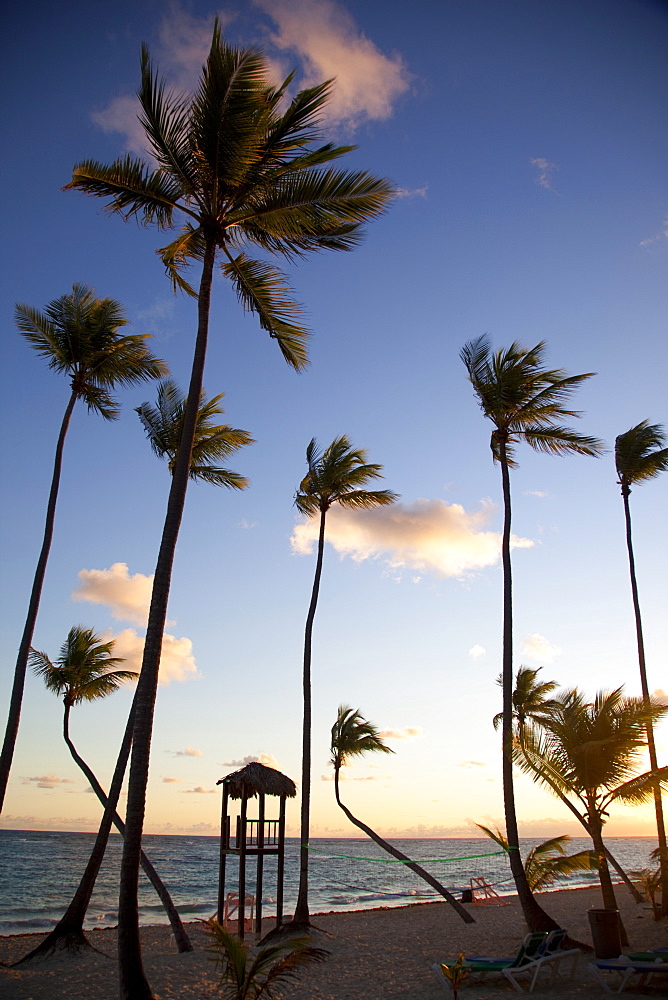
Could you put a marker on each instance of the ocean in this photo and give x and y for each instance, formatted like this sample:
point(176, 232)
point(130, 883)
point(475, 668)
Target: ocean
point(40, 870)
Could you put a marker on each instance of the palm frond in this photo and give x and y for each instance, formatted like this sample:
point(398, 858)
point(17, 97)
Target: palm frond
point(133, 190)
point(353, 736)
point(640, 453)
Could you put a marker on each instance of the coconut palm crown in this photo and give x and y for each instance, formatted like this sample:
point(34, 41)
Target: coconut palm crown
point(353, 736)
point(83, 671)
point(163, 424)
point(640, 454)
point(338, 475)
point(530, 701)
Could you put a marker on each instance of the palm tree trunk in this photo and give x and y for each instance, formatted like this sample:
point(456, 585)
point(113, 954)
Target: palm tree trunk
point(536, 917)
point(68, 933)
point(14, 714)
point(651, 746)
point(434, 883)
point(133, 982)
point(178, 930)
point(301, 916)
point(607, 890)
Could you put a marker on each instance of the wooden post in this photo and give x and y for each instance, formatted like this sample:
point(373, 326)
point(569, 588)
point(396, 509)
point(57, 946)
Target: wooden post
point(260, 862)
point(281, 864)
point(242, 861)
point(224, 843)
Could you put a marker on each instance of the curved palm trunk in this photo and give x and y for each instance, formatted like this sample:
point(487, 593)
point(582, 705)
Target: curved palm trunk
point(536, 917)
point(180, 936)
point(651, 746)
point(68, 933)
point(434, 883)
point(14, 714)
point(301, 916)
point(545, 776)
point(133, 982)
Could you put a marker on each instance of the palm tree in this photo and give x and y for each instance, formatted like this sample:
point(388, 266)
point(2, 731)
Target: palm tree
point(84, 672)
point(547, 862)
point(339, 475)
point(641, 454)
point(352, 736)
point(240, 172)
point(525, 401)
point(79, 336)
point(213, 443)
point(590, 751)
point(530, 705)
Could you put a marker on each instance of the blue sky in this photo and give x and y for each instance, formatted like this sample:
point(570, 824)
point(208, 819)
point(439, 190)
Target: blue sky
point(528, 145)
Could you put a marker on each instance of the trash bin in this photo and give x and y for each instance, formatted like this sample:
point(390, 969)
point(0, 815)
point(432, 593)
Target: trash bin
point(605, 932)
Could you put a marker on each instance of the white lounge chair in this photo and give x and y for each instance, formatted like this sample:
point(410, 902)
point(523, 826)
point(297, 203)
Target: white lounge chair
point(626, 968)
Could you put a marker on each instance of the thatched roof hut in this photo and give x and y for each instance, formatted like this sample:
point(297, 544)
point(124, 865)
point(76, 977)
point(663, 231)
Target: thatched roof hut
point(258, 778)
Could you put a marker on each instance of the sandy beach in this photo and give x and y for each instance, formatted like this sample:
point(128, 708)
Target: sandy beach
point(373, 954)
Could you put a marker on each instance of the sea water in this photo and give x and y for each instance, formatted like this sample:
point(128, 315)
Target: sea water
point(39, 872)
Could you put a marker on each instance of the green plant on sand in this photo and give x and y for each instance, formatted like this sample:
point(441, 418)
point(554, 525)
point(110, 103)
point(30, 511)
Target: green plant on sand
point(456, 974)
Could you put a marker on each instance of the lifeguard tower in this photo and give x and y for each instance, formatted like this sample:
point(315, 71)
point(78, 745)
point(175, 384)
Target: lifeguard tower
point(260, 837)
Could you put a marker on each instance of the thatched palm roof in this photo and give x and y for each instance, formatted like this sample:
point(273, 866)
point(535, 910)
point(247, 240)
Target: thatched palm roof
point(258, 778)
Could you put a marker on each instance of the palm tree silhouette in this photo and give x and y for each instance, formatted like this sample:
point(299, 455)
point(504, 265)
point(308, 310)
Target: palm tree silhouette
point(84, 672)
point(239, 172)
point(79, 336)
point(336, 475)
point(524, 400)
point(353, 736)
point(590, 752)
point(640, 455)
point(213, 443)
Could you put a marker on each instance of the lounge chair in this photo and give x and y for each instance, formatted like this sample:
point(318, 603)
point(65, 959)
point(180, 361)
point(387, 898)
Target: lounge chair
point(526, 954)
point(643, 964)
point(550, 955)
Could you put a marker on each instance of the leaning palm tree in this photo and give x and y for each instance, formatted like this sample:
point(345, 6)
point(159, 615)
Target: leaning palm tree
point(213, 443)
point(79, 336)
point(590, 751)
point(525, 402)
point(640, 455)
point(531, 706)
point(353, 736)
point(339, 474)
point(84, 672)
point(239, 169)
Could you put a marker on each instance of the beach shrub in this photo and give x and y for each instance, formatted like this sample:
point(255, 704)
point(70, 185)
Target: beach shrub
point(456, 974)
point(246, 976)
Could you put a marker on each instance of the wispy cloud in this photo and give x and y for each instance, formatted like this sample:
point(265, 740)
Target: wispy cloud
point(263, 758)
point(330, 44)
point(537, 647)
point(411, 192)
point(424, 535)
point(535, 493)
point(407, 733)
point(188, 752)
point(199, 790)
point(176, 660)
point(471, 763)
point(127, 597)
point(171, 781)
point(658, 237)
point(545, 170)
point(477, 652)
point(346, 776)
point(47, 781)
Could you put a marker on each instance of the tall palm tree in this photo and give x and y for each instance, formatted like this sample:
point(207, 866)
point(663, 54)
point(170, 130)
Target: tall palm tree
point(353, 736)
point(82, 673)
point(590, 751)
point(531, 706)
point(213, 443)
point(525, 402)
point(339, 474)
point(79, 336)
point(640, 455)
point(239, 172)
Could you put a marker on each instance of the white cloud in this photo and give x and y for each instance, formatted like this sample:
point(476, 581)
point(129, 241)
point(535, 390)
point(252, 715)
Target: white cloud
point(188, 752)
point(127, 597)
point(171, 781)
point(176, 662)
point(407, 733)
point(331, 45)
point(263, 758)
point(477, 652)
point(423, 535)
point(660, 695)
point(47, 781)
point(411, 192)
point(661, 235)
point(471, 763)
point(535, 493)
point(537, 647)
point(199, 790)
point(545, 170)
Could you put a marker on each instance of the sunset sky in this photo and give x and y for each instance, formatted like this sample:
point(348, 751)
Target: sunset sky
point(527, 142)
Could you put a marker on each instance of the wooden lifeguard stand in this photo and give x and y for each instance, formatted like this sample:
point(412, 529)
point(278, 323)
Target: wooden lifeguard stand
point(260, 837)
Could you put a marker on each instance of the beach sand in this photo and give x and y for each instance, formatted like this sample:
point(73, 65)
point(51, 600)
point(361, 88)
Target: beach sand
point(374, 954)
